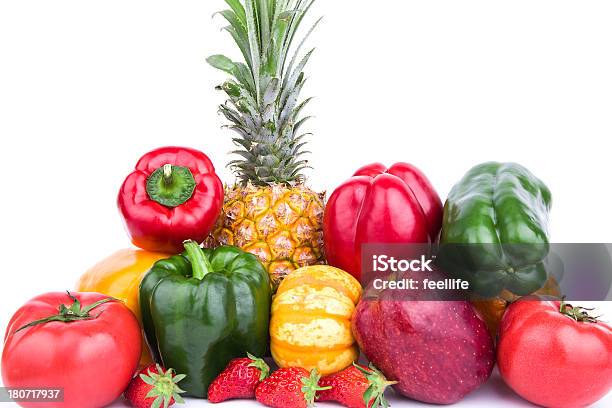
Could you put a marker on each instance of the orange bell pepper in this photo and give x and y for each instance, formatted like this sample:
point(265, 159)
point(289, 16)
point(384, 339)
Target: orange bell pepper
point(119, 276)
point(492, 310)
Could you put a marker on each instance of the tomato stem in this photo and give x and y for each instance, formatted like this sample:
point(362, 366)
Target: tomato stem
point(578, 313)
point(72, 313)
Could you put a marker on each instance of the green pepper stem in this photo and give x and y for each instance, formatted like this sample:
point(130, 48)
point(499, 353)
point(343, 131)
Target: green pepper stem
point(200, 266)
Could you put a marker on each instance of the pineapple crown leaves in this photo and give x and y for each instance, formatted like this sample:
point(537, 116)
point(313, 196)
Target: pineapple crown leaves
point(310, 386)
point(163, 387)
point(263, 105)
point(261, 365)
point(374, 396)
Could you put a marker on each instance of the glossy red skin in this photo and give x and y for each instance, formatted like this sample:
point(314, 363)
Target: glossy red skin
point(155, 227)
point(238, 381)
point(283, 388)
point(137, 390)
point(379, 205)
point(550, 359)
point(92, 360)
point(347, 387)
point(438, 351)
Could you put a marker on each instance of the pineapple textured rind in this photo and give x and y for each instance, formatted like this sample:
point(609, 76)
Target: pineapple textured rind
point(270, 212)
point(281, 225)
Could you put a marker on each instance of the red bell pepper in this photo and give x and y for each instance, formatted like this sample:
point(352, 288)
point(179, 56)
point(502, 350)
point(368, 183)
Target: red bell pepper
point(173, 195)
point(379, 205)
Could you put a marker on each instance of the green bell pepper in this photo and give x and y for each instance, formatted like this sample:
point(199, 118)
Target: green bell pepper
point(494, 230)
point(203, 308)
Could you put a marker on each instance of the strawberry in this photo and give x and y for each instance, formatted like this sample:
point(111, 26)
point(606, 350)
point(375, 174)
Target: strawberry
point(290, 387)
point(356, 387)
point(154, 387)
point(239, 379)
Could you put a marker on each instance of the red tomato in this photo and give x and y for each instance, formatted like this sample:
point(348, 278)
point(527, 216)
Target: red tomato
point(91, 348)
point(555, 355)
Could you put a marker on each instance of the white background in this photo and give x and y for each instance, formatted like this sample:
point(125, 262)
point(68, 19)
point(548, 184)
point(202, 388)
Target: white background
point(87, 87)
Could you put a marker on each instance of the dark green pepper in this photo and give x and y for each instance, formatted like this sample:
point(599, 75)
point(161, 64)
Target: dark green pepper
point(203, 308)
point(494, 231)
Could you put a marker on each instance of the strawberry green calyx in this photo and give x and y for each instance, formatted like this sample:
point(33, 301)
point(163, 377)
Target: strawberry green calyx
point(311, 386)
point(374, 396)
point(164, 387)
point(261, 365)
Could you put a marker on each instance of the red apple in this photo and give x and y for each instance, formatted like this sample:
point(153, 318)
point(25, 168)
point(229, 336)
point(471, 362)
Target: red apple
point(438, 351)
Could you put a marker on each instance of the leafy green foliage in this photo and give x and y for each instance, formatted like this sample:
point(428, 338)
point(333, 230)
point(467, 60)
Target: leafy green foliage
point(263, 106)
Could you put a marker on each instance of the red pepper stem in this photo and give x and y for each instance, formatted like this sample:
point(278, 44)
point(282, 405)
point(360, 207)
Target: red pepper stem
point(167, 174)
point(171, 185)
point(200, 265)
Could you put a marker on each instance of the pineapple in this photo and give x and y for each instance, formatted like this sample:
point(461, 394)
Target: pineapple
point(269, 212)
